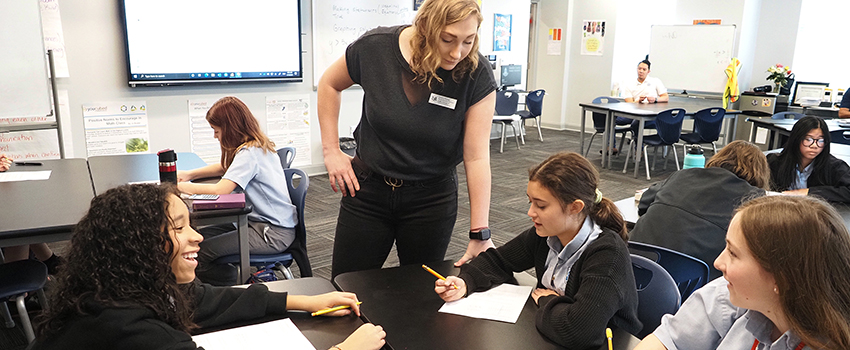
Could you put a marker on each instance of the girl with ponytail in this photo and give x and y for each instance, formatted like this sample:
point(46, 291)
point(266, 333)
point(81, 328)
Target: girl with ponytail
point(578, 249)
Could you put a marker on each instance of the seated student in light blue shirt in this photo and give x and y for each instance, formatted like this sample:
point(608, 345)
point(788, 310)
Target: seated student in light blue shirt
point(785, 284)
point(250, 163)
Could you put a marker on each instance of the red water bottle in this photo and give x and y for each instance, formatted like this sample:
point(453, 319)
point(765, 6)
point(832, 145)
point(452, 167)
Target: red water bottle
point(167, 166)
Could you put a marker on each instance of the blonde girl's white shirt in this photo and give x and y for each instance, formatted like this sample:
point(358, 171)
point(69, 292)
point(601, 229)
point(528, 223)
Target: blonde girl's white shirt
point(651, 87)
point(708, 320)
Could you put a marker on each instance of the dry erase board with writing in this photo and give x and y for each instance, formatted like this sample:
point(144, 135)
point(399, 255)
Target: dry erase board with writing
point(337, 23)
point(691, 57)
point(24, 86)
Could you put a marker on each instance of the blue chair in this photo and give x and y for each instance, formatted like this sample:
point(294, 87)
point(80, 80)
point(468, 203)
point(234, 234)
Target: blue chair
point(506, 113)
point(297, 251)
point(707, 125)
point(669, 127)
point(657, 293)
point(840, 136)
point(18, 278)
point(287, 155)
point(688, 272)
point(534, 108)
point(787, 115)
point(599, 123)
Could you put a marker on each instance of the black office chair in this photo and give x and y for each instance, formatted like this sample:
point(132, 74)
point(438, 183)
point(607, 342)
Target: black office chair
point(297, 251)
point(18, 278)
point(599, 124)
point(669, 127)
point(657, 293)
point(707, 125)
point(506, 105)
point(287, 155)
point(534, 108)
point(840, 136)
point(688, 272)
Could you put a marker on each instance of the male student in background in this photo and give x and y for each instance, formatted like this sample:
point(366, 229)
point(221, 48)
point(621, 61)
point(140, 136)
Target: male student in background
point(643, 90)
point(844, 107)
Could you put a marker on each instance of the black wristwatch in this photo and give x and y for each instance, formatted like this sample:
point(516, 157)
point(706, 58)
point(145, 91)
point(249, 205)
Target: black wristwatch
point(483, 235)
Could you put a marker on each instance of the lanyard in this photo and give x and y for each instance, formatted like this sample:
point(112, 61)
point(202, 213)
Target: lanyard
point(799, 346)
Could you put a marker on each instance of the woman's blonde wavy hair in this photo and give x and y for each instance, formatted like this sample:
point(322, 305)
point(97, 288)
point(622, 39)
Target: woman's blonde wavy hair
point(431, 19)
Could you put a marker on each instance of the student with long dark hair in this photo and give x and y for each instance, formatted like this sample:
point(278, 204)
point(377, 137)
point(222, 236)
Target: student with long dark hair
point(578, 248)
point(805, 166)
point(785, 285)
point(129, 282)
point(250, 163)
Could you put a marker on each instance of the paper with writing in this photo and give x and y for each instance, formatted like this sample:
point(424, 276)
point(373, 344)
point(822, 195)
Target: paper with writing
point(502, 303)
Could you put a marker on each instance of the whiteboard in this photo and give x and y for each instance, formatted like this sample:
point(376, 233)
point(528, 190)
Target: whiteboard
point(691, 57)
point(24, 86)
point(337, 23)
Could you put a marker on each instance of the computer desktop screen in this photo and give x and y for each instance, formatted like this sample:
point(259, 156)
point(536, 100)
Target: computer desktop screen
point(511, 75)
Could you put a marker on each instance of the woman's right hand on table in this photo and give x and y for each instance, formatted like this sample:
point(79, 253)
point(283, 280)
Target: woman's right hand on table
point(341, 173)
point(367, 337)
point(447, 292)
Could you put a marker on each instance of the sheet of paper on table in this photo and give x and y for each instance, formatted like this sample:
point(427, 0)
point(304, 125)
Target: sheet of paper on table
point(502, 303)
point(259, 336)
point(24, 175)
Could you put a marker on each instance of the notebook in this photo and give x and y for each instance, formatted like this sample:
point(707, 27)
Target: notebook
point(224, 201)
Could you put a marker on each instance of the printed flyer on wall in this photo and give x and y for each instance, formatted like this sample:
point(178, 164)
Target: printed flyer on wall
point(116, 128)
point(288, 123)
point(592, 38)
point(204, 143)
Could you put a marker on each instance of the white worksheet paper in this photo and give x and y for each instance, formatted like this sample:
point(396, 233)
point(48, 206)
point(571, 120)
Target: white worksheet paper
point(502, 303)
point(258, 336)
point(24, 175)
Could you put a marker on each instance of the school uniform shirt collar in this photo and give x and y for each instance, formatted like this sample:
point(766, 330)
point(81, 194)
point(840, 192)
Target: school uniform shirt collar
point(560, 259)
point(761, 327)
point(802, 180)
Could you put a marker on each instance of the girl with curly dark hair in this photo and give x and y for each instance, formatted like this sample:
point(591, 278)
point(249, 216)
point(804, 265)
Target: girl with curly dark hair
point(129, 282)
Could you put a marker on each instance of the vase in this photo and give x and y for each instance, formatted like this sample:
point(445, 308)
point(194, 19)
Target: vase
point(776, 87)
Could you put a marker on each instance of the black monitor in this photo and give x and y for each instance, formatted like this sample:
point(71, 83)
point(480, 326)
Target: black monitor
point(807, 90)
point(511, 75)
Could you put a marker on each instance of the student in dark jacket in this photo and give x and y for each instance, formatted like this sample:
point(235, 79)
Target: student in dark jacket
point(578, 249)
point(690, 211)
point(805, 167)
point(130, 282)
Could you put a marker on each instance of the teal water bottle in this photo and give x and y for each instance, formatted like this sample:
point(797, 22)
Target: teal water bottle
point(694, 158)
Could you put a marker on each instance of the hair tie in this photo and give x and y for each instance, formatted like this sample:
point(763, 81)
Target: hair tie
point(598, 197)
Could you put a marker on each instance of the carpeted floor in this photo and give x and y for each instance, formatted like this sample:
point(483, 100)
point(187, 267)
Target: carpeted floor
point(508, 207)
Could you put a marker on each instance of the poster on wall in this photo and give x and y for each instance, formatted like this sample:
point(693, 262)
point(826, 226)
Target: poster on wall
point(553, 45)
point(502, 32)
point(116, 128)
point(204, 143)
point(592, 38)
point(288, 123)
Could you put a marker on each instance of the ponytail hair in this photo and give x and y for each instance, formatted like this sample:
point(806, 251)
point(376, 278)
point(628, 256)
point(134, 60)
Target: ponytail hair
point(569, 177)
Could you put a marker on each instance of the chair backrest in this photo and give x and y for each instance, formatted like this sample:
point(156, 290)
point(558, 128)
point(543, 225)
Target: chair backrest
point(688, 272)
point(669, 125)
point(287, 155)
point(708, 123)
point(599, 118)
point(299, 197)
point(657, 293)
point(840, 136)
point(534, 102)
point(506, 102)
point(787, 115)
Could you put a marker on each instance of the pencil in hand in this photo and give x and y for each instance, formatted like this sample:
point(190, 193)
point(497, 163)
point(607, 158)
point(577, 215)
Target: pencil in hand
point(610, 336)
point(437, 275)
point(335, 308)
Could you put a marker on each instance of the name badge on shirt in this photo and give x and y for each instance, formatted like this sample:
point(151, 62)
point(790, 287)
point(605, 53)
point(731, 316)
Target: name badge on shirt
point(442, 101)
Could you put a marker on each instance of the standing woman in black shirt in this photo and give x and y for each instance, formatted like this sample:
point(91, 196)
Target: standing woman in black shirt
point(428, 104)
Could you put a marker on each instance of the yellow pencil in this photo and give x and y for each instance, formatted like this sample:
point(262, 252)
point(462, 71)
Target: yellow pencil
point(610, 337)
point(437, 275)
point(335, 308)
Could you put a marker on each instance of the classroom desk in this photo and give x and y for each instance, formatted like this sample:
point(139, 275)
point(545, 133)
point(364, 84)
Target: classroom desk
point(782, 127)
point(322, 331)
point(403, 301)
point(113, 171)
point(45, 210)
point(643, 112)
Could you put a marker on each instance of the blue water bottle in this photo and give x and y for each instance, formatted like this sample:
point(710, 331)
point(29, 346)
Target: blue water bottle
point(694, 158)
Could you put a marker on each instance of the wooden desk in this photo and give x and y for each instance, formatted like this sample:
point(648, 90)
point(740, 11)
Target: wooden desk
point(113, 171)
point(403, 301)
point(643, 112)
point(322, 332)
point(44, 210)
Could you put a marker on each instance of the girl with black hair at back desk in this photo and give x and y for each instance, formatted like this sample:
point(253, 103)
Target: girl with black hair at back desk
point(130, 282)
point(577, 247)
point(805, 166)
